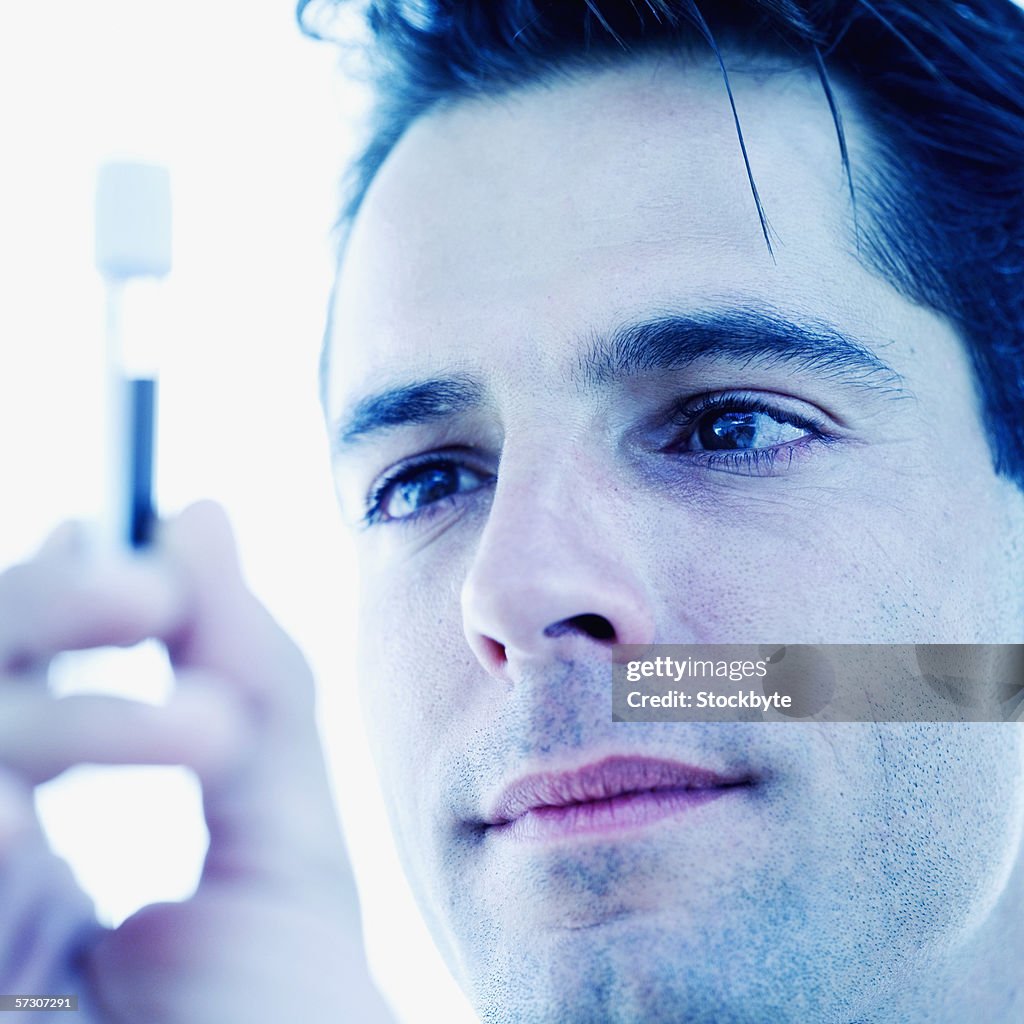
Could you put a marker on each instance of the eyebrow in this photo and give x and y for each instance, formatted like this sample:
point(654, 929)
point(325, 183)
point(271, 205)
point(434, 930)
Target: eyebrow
point(663, 343)
point(408, 404)
point(742, 336)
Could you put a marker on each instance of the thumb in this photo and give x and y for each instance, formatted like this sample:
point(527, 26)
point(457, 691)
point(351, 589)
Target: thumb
point(228, 631)
point(276, 808)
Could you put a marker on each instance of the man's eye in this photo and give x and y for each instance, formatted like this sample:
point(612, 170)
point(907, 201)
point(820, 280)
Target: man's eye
point(747, 432)
point(414, 489)
point(741, 430)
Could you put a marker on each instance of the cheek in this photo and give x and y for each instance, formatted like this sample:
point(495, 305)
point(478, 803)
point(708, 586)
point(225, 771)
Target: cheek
point(804, 565)
point(955, 815)
point(413, 659)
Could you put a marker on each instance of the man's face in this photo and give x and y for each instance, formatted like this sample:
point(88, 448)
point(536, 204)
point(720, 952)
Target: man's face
point(578, 402)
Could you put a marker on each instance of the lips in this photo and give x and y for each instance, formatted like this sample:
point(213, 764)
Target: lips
point(613, 795)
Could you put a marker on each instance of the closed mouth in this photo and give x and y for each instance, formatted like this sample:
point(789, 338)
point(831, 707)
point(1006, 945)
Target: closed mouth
point(619, 793)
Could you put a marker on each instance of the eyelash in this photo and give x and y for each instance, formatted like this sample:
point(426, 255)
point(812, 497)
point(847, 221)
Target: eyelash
point(685, 414)
point(375, 502)
point(753, 462)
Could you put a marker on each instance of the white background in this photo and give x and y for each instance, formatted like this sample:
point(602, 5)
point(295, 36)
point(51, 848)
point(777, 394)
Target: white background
point(253, 121)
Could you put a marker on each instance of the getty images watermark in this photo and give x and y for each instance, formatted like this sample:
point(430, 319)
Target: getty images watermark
point(822, 683)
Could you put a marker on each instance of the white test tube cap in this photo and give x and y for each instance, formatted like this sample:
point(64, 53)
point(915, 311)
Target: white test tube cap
point(133, 220)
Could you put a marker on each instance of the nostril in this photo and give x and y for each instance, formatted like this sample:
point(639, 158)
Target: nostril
point(597, 627)
point(495, 651)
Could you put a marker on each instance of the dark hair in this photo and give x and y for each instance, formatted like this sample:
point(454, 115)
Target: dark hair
point(941, 83)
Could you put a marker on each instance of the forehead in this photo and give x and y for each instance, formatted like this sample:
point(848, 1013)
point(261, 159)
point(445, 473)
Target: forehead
point(501, 227)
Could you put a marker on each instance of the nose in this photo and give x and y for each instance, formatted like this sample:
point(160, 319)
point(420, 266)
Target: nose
point(551, 579)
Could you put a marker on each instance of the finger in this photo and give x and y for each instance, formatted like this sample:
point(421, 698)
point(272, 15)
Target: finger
point(201, 727)
point(44, 915)
point(61, 542)
point(228, 630)
point(64, 601)
point(65, 539)
point(17, 812)
point(276, 810)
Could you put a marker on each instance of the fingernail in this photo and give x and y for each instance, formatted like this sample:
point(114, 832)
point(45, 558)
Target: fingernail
point(66, 539)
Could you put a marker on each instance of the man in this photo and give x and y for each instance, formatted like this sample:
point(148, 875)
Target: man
point(648, 328)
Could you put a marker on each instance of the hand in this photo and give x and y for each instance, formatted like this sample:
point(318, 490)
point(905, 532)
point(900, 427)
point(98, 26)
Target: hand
point(272, 932)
